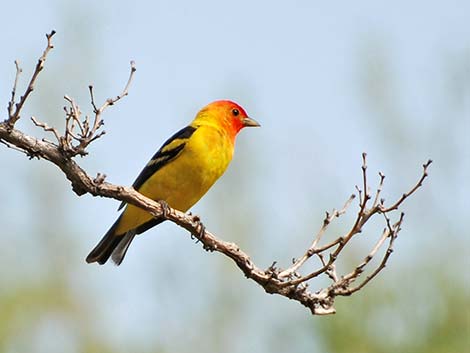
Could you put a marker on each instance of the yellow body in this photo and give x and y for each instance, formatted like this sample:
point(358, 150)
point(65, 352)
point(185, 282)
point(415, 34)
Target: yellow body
point(183, 181)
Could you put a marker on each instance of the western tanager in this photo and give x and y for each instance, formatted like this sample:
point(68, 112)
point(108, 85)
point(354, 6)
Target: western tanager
point(180, 173)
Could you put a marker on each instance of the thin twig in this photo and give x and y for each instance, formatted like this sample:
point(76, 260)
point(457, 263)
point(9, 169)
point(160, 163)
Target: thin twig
point(13, 147)
point(125, 92)
point(313, 247)
point(46, 127)
point(379, 189)
point(13, 118)
point(87, 132)
point(12, 101)
point(392, 235)
point(416, 187)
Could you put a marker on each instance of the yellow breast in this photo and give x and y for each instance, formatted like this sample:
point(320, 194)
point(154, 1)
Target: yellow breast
point(185, 179)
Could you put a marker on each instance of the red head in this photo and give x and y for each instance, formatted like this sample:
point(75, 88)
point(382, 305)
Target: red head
point(226, 114)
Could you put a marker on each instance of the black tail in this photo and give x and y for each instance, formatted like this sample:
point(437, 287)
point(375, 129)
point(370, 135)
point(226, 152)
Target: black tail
point(121, 249)
point(103, 250)
point(116, 245)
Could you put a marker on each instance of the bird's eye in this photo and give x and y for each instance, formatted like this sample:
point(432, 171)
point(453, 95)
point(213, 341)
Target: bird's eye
point(235, 112)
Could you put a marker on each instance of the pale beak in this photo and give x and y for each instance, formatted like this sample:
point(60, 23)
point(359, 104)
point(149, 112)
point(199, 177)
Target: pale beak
point(248, 122)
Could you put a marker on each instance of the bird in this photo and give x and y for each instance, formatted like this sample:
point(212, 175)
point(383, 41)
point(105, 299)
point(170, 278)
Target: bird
point(178, 175)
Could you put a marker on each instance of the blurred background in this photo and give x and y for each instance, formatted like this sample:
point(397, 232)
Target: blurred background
point(327, 81)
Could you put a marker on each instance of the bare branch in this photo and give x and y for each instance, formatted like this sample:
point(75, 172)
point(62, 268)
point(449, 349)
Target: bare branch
point(14, 115)
point(87, 133)
point(289, 282)
point(313, 247)
point(379, 188)
point(12, 146)
point(12, 101)
point(46, 127)
point(391, 233)
point(342, 286)
point(111, 101)
point(409, 193)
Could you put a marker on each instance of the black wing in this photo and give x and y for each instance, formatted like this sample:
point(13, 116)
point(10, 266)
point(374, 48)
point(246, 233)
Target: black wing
point(170, 149)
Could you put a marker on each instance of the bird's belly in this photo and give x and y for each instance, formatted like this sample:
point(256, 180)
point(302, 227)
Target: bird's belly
point(181, 183)
point(181, 188)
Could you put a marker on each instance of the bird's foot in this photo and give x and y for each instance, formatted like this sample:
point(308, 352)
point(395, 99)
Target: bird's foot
point(165, 208)
point(201, 232)
point(201, 229)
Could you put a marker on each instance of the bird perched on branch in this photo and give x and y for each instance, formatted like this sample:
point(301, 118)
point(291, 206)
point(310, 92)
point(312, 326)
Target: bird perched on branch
point(180, 173)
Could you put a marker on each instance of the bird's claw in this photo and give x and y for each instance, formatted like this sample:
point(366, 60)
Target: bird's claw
point(201, 232)
point(201, 229)
point(165, 208)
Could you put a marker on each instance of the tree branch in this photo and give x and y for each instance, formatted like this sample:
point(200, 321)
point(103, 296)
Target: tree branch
point(288, 282)
point(14, 113)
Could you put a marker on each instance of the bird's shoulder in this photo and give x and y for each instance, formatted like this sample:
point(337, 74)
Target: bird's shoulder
point(169, 151)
